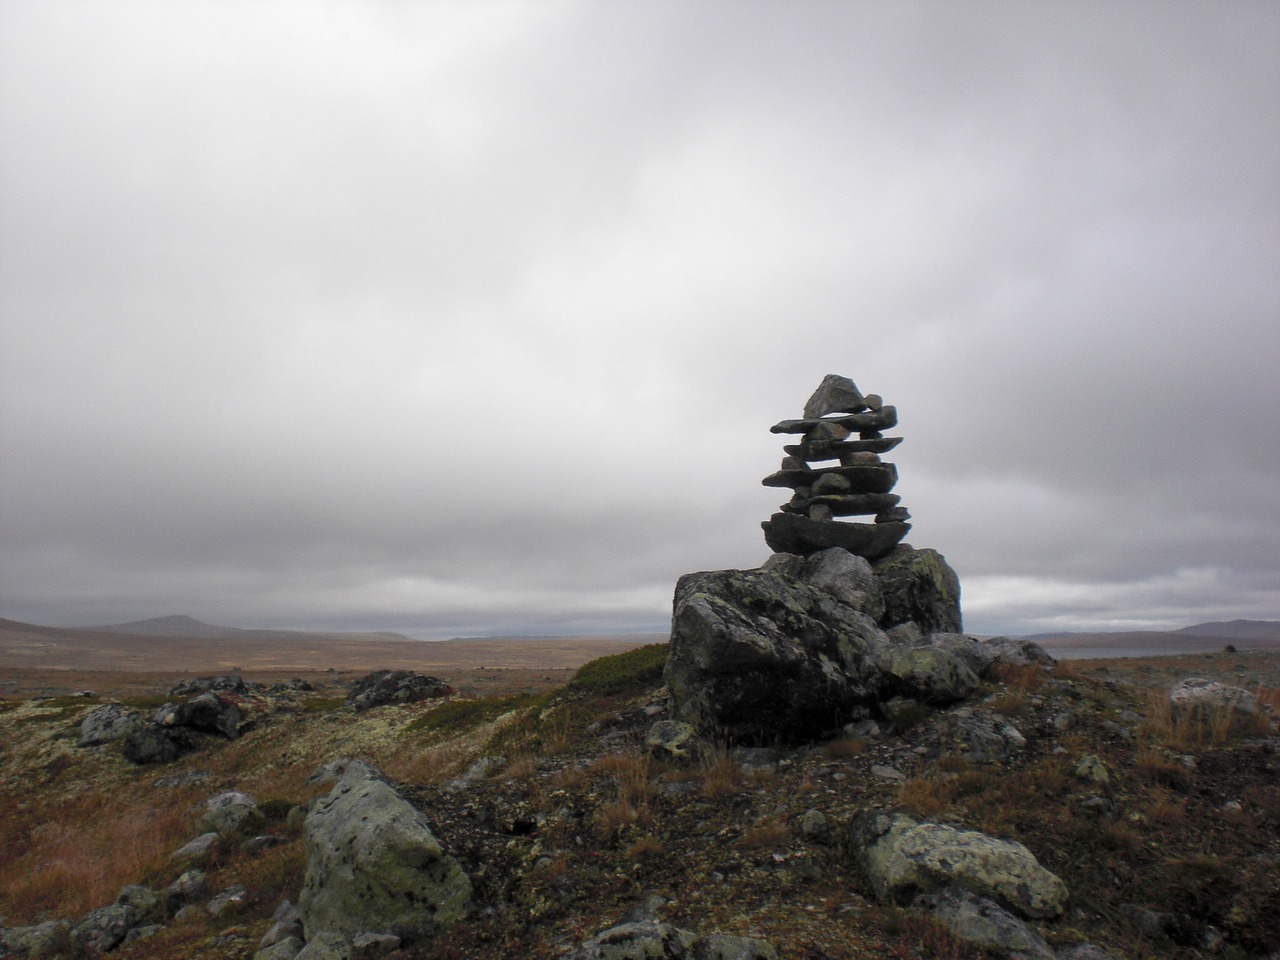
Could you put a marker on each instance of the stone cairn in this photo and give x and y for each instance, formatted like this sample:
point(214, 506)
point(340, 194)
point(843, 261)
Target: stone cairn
point(859, 486)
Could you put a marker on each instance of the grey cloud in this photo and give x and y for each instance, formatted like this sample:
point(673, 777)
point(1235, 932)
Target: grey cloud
point(351, 309)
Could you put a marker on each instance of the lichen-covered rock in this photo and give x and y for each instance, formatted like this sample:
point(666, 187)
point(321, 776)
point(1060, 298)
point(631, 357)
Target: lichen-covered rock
point(227, 683)
point(109, 722)
point(930, 674)
point(654, 940)
point(673, 739)
point(227, 811)
point(904, 857)
point(394, 686)
point(1092, 768)
point(326, 946)
point(987, 925)
point(846, 576)
point(1197, 695)
point(981, 654)
point(40, 939)
point(919, 586)
point(197, 847)
point(367, 946)
point(286, 949)
point(286, 922)
point(105, 928)
point(984, 736)
point(191, 885)
point(373, 864)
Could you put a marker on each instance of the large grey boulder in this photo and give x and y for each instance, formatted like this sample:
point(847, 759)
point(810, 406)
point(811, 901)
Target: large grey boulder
point(904, 857)
point(1198, 695)
point(919, 586)
point(763, 655)
point(373, 864)
point(111, 721)
point(394, 686)
point(654, 940)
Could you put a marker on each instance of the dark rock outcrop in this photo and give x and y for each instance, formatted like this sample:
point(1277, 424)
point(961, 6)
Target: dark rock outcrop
point(207, 713)
point(154, 743)
point(394, 686)
point(762, 656)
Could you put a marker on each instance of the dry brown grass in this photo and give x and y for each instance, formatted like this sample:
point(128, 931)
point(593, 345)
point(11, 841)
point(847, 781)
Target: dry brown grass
point(616, 815)
point(78, 862)
point(721, 775)
point(926, 796)
point(768, 834)
point(1202, 726)
point(1155, 764)
point(645, 847)
point(1023, 678)
point(1269, 697)
point(845, 748)
point(1010, 703)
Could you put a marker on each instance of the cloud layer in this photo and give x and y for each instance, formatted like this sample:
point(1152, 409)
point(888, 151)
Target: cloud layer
point(472, 318)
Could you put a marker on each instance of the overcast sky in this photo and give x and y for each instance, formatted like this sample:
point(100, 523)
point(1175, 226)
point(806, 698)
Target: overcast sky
point(470, 318)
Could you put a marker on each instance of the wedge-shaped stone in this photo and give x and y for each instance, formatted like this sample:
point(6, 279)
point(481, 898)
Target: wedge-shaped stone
point(836, 394)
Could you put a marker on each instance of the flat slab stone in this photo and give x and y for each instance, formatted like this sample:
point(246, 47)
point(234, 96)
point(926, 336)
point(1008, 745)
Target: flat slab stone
point(792, 533)
point(845, 506)
point(862, 477)
point(834, 449)
point(882, 419)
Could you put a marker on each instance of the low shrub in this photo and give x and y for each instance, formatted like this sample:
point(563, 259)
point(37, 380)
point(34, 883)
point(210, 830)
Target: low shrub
point(636, 670)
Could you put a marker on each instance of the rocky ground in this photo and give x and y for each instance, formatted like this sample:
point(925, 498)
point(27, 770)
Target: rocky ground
point(1164, 832)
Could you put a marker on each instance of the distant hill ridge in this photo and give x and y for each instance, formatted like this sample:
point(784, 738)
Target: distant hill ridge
point(1236, 629)
point(181, 625)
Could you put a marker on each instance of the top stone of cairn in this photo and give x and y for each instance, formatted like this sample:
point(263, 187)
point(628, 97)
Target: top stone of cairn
point(836, 394)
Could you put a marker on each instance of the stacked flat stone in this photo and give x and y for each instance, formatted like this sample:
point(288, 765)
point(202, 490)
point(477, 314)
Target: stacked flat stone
point(858, 486)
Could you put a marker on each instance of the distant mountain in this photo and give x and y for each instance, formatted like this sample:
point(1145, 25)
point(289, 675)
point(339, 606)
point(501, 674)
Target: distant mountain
point(185, 627)
point(1236, 630)
point(177, 625)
